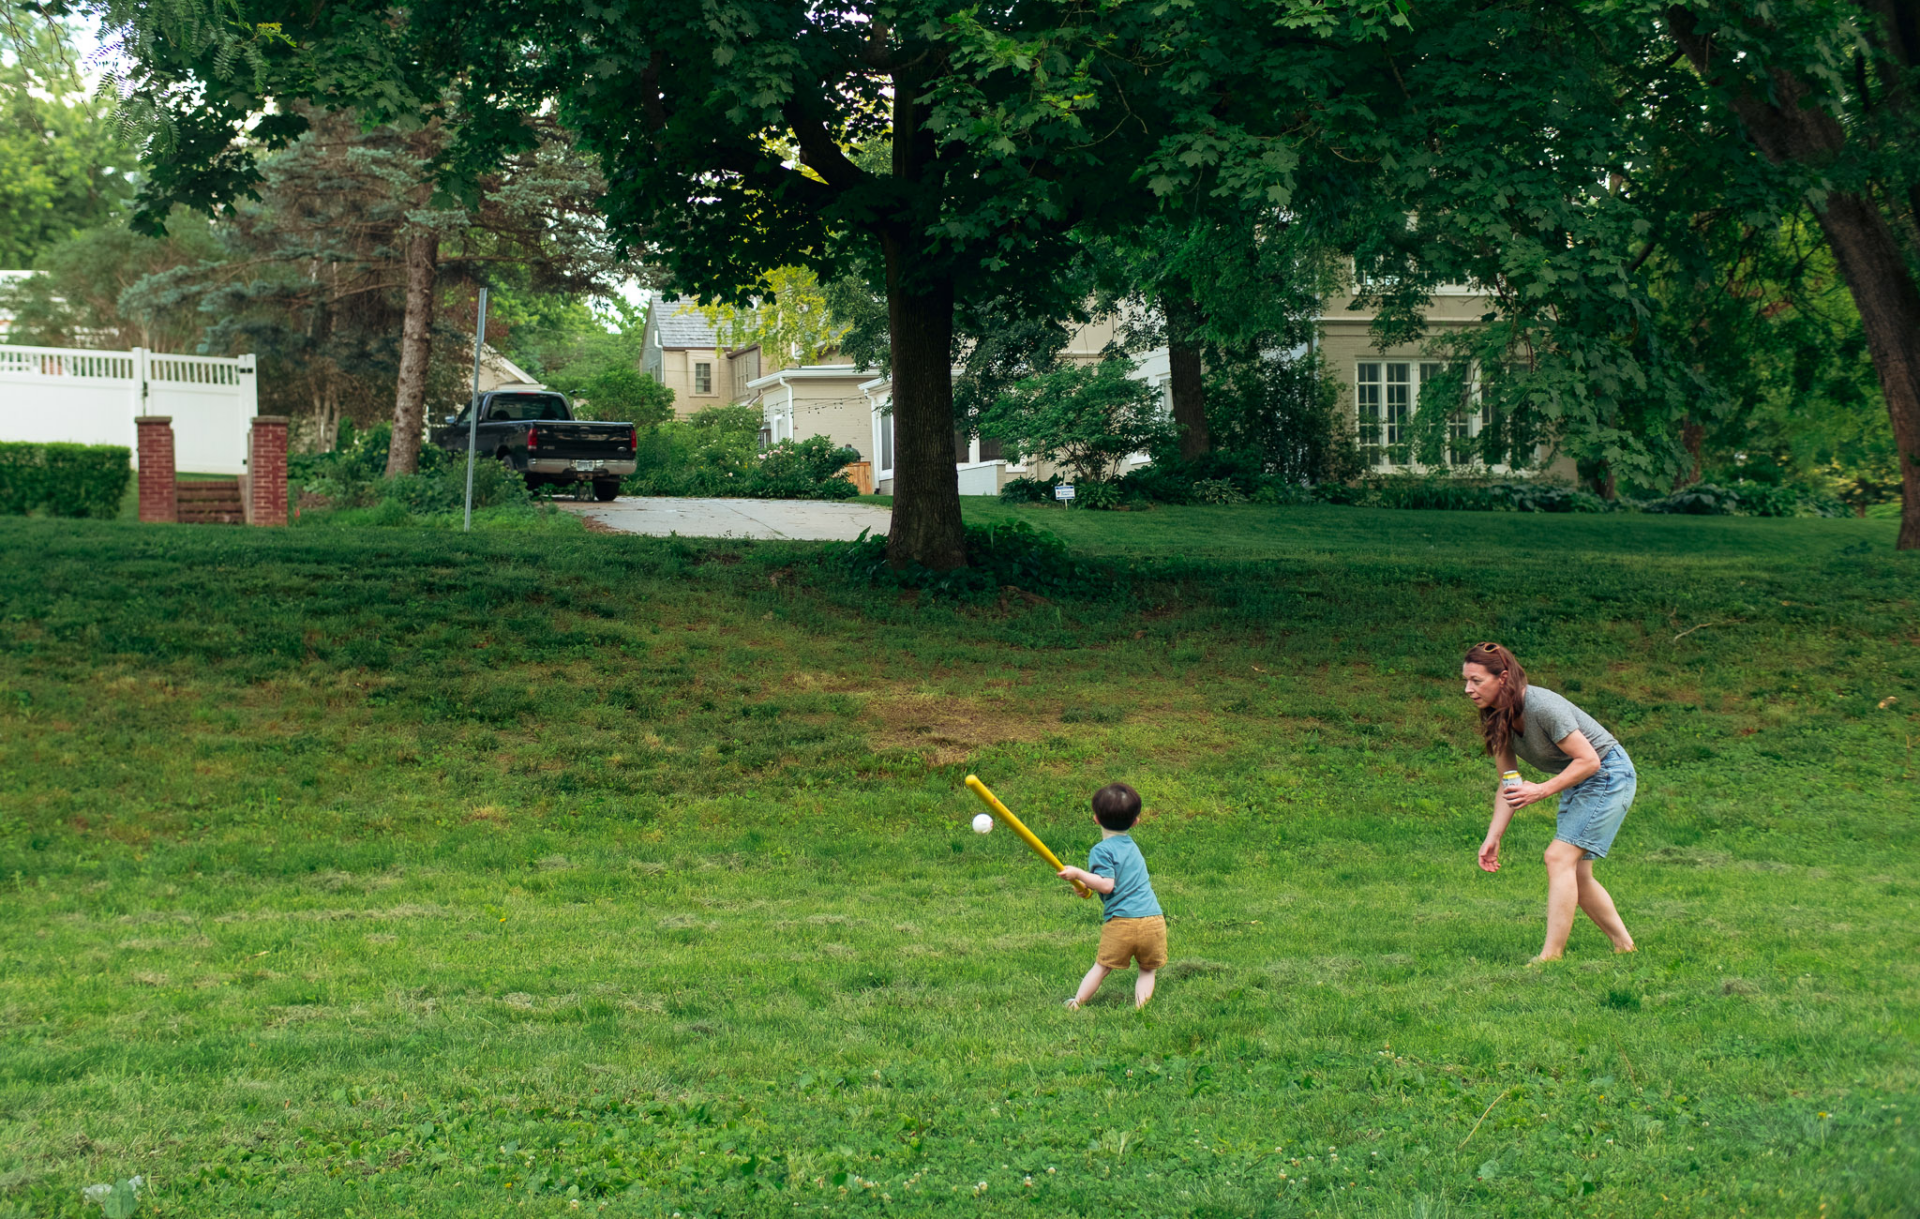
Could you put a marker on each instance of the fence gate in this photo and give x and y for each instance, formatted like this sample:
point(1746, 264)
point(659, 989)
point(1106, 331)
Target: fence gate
point(92, 397)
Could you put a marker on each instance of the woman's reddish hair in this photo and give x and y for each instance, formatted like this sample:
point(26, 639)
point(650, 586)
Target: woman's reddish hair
point(1503, 720)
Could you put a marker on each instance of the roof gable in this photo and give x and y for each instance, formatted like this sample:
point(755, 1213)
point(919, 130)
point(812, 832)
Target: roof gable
point(679, 324)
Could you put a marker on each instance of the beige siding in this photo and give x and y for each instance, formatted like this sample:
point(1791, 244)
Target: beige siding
point(832, 407)
point(1346, 345)
point(676, 373)
point(742, 367)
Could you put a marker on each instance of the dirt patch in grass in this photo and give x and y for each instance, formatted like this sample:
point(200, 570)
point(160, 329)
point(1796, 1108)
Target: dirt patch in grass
point(948, 729)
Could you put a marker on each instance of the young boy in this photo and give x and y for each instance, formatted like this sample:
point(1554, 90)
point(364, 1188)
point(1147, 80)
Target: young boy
point(1134, 930)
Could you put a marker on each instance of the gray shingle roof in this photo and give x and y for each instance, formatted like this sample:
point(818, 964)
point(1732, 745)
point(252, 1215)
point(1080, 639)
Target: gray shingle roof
point(681, 325)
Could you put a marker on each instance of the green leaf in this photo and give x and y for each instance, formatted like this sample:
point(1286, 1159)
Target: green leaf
point(122, 1202)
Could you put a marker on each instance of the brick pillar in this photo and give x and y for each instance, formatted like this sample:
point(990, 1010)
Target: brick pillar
point(267, 471)
point(158, 501)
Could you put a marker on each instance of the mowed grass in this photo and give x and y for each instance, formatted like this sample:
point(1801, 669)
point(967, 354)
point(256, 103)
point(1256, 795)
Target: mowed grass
point(399, 873)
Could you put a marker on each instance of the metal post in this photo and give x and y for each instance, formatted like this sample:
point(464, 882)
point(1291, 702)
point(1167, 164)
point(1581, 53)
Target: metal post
point(473, 407)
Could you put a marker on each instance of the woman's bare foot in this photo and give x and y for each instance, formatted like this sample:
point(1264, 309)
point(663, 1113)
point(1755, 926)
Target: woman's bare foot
point(1629, 946)
point(1543, 959)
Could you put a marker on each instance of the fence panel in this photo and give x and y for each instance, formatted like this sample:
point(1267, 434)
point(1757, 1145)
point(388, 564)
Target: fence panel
point(50, 394)
point(91, 397)
point(210, 412)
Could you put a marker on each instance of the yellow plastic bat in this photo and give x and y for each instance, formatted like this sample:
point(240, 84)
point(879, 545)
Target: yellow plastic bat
point(1026, 835)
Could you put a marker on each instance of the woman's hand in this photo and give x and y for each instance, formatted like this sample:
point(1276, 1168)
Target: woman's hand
point(1523, 793)
point(1490, 855)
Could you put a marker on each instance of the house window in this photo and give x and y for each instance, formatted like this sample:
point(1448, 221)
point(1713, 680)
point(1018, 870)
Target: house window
point(702, 377)
point(1386, 394)
point(745, 367)
point(1398, 416)
point(886, 441)
point(1367, 400)
point(1459, 420)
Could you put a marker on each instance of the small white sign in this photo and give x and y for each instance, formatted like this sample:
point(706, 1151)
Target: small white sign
point(1063, 491)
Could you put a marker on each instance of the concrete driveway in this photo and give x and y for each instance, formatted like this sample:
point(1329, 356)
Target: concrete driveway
point(790, 519)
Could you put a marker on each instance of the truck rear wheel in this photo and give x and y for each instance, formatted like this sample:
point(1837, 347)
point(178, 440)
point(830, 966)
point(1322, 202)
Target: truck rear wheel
point(605, 491)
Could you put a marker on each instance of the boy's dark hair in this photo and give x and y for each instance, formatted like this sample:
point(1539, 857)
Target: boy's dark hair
point(1116, 806)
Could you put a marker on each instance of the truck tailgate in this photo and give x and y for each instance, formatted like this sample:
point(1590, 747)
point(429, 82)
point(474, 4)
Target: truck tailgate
point(575, 439)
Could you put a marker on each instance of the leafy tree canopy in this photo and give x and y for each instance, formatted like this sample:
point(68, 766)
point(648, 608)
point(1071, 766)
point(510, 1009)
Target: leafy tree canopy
point(1085, 418)
point(789, 318)
point(725, 131)
point(64, 166)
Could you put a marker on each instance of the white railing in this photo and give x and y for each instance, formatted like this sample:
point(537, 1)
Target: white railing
point(193, 370)
point(61, 362)
point(92, 397)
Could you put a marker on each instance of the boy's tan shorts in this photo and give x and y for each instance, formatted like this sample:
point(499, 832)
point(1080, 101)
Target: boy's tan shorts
point(1125, 940)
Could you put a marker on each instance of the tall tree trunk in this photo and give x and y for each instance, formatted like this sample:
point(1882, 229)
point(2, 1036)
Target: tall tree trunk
point(1788, 130)
point(926, 525)
point(416, 348)
point(1694, 436)
point(1188, 389)
point(1597, 473)
point(1889, 303)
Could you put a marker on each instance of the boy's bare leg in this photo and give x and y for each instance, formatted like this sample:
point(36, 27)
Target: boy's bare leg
point(1598, 903)
point(1091, 983)
point(1143, 989)
point(1563, 896)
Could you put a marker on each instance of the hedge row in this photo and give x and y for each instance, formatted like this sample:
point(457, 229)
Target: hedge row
point(1173, 485)
point(63, 479)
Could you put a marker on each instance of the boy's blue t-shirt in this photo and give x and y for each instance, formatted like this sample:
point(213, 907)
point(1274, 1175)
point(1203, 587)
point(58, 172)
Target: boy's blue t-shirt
point(1132, 895)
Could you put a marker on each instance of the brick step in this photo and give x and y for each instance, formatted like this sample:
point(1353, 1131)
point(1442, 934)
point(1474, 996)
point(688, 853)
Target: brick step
point(209, 501)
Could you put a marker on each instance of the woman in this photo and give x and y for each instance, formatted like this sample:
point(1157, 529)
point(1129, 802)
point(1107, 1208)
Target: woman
point(1592, 775)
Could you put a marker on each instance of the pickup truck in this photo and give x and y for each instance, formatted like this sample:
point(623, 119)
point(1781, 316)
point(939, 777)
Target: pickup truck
point(534, 432)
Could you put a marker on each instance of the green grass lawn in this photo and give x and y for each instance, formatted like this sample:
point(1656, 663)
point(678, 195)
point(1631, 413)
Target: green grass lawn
point(398, 872)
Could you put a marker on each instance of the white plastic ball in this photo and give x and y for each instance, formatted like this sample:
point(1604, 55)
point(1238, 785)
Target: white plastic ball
point(982, 823)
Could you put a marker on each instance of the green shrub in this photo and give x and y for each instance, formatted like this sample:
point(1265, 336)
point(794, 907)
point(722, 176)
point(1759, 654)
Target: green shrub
point(707, 453)
point(1272, 416)
point(1456, 494)
point(353, 477)
point(1786, 499)
point(1701, 499)
point(1221, 492)
point(1099, 496)
point(1086, 419)
point(444, 488)
point(1006, 554)
point(1281, 492)
point(63, 479)
point(615, 392)
point(717, 452)
point(1745, 498)
point(1027, 491)
point(806, 469)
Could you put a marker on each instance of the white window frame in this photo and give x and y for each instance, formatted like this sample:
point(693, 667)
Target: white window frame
point(698, 367)
point(1368, 404)
point(1386, 398)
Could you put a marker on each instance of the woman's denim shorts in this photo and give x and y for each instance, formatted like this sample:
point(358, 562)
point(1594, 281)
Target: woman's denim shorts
point(1591, 811)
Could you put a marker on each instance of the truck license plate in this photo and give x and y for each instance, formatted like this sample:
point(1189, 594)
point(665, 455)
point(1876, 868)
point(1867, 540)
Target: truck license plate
point(586, 464)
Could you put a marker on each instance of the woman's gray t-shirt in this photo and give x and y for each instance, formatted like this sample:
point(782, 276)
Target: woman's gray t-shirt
point(1549, 719)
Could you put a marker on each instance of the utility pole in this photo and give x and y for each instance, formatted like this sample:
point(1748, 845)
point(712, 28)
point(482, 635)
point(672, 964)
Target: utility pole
point(473, 406)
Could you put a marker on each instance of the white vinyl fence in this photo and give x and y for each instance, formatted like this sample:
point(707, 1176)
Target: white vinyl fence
point(92, 397)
